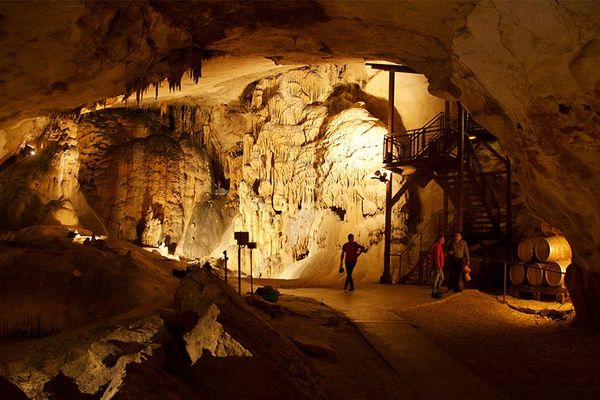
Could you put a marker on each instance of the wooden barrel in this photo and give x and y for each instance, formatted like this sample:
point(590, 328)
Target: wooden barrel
point(525, 250)
point(517, 274)
point(535, 274)
point(555, 273)
point(553, 248)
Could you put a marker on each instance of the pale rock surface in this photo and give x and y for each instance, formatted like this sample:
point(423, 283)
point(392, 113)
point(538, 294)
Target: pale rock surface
point(89, 367)
point(307, 176)
point(143, 180)
point(208, 334)
point(61, 213)
point(39, 186)
point(526, 70)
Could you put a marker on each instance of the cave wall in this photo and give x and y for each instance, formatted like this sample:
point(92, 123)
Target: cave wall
point(290, 161)
point(526, 70)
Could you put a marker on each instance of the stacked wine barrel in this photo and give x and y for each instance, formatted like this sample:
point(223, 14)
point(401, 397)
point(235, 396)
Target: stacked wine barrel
point(546, 260)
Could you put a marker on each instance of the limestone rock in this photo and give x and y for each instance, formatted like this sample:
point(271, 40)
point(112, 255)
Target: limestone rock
point(9, 390)
point(61, 213)
point(31, 184)
point(143, 181)
point(209, 335)
point(312, 347)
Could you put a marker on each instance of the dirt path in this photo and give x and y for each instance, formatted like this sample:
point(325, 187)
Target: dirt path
point(350, 367)
point(526, 356)
point(423, 369)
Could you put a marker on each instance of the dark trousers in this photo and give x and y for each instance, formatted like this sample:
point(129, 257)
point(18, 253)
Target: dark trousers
point(349, 268)
point(455, 267)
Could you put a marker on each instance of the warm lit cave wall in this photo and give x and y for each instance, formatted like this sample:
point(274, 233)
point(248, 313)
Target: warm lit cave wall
point(291, 162)
point(527, 70)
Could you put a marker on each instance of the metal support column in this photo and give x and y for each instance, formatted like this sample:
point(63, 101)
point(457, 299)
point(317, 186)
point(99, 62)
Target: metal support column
point(460, 179)
point(509, 250)
point(386, 276)
point(239, 269)
point(225, 258)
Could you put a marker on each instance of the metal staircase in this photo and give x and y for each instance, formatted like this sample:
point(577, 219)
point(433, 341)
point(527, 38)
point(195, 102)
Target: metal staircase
point(435, 152)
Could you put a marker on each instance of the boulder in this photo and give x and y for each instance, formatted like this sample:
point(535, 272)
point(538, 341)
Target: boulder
point(584, 289)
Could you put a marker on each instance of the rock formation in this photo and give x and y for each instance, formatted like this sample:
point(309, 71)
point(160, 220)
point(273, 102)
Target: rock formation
point(525, 70)
point(293, 160)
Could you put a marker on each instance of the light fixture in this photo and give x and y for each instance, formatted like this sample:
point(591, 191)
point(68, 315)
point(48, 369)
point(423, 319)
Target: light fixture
point(472, 137)
point(29, 150)
point(382, 176)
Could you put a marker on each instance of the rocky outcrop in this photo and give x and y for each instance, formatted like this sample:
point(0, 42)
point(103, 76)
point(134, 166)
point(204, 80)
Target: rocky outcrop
point(525, 70)
point(39, 184)
point(307, 174)
point(293, 159)
point(147, 180)
point(209, 335)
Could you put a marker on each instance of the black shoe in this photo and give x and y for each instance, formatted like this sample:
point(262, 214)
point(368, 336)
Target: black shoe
point(434, 295)
point(351, 289)
point(457, 290)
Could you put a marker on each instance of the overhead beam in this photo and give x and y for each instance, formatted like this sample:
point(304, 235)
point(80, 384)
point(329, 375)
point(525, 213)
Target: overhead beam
point(393, 67)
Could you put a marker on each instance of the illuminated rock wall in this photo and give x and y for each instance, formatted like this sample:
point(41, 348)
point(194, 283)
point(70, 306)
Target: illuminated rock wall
point(42, 186)
point(291, 162)
point(307, 172)
point(149, 182)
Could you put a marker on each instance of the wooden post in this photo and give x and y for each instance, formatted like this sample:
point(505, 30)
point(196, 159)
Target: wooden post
point(239, 269)
point(386, 276)
point(251, 277)
point(509, 250)
point(225, 260)
point(251, 246)
point(460, 182)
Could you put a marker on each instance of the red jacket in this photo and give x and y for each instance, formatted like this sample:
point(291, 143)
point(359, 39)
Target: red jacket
point(437, 256)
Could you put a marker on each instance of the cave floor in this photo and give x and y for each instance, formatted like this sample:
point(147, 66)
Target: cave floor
point(469, 345)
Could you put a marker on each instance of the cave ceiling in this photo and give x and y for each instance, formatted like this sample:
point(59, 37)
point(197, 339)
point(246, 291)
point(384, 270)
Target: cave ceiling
point(527, 70)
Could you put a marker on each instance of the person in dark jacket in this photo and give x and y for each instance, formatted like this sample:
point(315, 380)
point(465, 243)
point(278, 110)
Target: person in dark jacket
point(457, 262)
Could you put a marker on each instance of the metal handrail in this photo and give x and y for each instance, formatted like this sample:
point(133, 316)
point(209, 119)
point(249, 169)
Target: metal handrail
point(482, 174)
point(414, 143)
point(419, 236)
point(524, 263)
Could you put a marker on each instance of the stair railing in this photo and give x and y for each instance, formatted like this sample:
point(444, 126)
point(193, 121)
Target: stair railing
point(414, 143)
point(410, 247)
point(478, 172)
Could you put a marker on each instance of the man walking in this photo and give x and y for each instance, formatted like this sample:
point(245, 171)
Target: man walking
point(460, 259)
point(351, 250)
point(437, 263)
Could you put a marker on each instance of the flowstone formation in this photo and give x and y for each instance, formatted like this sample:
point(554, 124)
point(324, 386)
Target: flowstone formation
point(292, 161)
point(525, 70)
point(306, 173)
point(145, 179)
point(39, 185)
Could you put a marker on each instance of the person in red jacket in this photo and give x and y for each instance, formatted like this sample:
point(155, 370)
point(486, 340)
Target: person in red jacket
point(437, 263)
point(351, 250)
